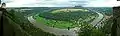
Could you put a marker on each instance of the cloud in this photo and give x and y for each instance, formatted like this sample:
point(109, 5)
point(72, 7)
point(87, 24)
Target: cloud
point(44, 3)
point(61, 3)
point(7, 1)
point(103, 3)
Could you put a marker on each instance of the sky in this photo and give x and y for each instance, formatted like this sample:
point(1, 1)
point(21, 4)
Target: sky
point(61, 3)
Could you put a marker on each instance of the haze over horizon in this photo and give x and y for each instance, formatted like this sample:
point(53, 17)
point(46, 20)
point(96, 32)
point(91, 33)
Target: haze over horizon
point(61, 3)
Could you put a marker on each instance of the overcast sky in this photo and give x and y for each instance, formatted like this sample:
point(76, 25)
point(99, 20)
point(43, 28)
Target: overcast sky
point(61, 3)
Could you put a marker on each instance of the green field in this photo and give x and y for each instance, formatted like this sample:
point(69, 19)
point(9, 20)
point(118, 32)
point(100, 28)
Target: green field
point(66, 18)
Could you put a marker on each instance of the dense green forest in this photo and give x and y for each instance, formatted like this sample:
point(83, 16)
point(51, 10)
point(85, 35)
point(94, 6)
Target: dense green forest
point(105, 10)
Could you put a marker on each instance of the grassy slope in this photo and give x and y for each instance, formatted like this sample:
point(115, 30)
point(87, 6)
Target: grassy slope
point(58, 24)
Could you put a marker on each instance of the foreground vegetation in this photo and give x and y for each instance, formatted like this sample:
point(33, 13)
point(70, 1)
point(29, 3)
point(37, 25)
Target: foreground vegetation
point(28, 28)
point(89, 30)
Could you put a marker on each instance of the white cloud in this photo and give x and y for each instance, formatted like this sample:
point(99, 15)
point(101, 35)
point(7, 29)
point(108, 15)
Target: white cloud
point(61, 3)
point(18, 3)
point(103, 3)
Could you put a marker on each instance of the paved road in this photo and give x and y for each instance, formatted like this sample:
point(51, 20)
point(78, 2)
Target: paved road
point(56, 31)
point(97, 20)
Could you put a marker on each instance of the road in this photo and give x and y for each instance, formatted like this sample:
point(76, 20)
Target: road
point(56, 31)
point(96, 21)
point(60, 32)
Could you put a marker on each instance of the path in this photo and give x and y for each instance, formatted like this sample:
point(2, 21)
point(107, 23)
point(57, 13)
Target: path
point(56, 31)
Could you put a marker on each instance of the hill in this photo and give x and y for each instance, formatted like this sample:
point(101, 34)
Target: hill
point(15, 24)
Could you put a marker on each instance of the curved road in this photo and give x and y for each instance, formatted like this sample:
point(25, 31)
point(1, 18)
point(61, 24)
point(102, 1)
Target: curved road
point(60, 32)
point(97, 20)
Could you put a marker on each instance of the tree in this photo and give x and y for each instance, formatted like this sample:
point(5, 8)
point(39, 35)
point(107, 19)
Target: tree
point(88, 30)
